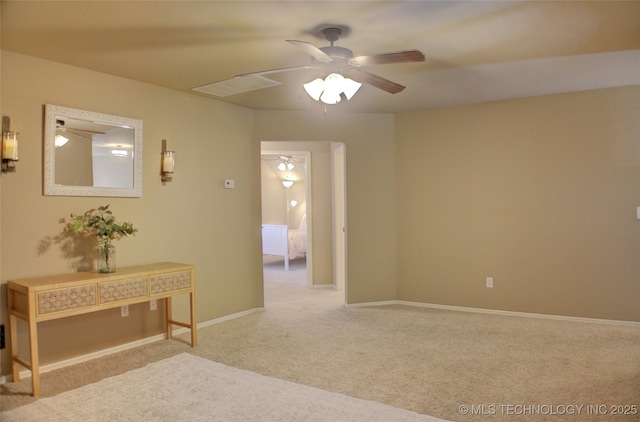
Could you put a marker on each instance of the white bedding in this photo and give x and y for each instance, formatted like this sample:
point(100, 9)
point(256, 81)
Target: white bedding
point(298, 239)
point(297, 243)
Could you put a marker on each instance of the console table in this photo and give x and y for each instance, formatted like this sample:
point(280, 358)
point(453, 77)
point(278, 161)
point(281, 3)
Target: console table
point(46, 298)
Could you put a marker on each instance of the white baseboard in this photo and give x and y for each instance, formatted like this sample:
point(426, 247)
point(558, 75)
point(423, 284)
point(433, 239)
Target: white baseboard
point(323, 286)
point(496, 312)
point(100, 353)
point(380, 303)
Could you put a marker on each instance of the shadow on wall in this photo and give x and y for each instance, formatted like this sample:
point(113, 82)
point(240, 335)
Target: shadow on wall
point(78, 250)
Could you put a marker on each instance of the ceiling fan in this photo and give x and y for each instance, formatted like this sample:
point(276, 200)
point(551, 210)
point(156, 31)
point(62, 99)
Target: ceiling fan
point(83, 133)
point(61, 129)
point(284, 162)
point(332, 60)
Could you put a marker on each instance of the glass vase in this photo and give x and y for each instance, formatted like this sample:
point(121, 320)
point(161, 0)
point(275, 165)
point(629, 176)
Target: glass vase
point(106, 262)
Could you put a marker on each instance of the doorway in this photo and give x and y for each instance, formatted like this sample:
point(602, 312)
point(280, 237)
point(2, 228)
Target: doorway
point(324, 206)
point(286, 213)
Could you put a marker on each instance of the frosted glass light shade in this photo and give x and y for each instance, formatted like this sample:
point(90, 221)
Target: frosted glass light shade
point(60, 141)
point(315, 88)
point(10, 146)
point(350, 87)
point(168, 161)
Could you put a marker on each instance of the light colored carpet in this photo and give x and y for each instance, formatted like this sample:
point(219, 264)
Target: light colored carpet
point(428, 361)
point(273, 270)
point(188, 388)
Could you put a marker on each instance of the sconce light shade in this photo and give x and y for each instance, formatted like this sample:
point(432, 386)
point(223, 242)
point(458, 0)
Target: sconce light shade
point(168, 165)
point(10, 146)
point(287, 183)
point(9, 150)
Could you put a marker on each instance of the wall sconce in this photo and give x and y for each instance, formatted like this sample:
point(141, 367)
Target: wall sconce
point(9, 146)
point(287, 183)
point(167, 164)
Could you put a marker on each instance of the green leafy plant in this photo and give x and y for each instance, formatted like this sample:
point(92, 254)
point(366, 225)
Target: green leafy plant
point(100, 222)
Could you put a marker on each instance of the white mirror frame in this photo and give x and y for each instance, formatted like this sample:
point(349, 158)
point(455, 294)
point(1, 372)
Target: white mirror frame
point(51, 188)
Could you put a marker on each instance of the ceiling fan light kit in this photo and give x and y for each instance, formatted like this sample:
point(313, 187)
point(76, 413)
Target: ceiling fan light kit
point(330, 89)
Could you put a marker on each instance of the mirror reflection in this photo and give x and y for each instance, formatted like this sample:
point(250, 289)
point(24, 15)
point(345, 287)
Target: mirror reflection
point(91, 154)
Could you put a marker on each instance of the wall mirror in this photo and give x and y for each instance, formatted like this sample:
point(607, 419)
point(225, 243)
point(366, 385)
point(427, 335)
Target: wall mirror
point(91, 154)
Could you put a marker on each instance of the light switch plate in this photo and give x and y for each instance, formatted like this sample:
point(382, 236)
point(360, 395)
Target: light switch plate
point(229, 183)
point(638, 213)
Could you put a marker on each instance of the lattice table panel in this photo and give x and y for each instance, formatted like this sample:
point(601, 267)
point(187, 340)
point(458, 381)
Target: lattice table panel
point(65, 299)
point(169, 282)
point(123, 289)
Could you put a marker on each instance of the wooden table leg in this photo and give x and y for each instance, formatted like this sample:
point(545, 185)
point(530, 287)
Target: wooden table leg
point(168, 313)
point(13, 338)
point(194, 323)
point(35, 362)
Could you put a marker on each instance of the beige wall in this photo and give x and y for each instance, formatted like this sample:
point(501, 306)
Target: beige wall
point(371, 208)
point(539, 193)
point(193, 219)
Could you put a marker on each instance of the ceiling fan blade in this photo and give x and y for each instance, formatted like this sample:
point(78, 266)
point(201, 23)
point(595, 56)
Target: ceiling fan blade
point(377, 81)
point(408, 56)
point(79, 131)
point(79, 134)
point(311, 50)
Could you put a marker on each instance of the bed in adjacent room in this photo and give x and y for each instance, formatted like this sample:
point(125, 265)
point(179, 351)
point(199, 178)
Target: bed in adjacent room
point(280, 240)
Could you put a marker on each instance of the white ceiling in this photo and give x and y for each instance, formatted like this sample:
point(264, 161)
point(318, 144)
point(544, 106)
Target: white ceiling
point(476, 51)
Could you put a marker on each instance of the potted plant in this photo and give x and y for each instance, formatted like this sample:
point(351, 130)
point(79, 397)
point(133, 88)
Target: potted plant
point(102, 223)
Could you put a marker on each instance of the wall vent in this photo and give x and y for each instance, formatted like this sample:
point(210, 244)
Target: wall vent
point(237, 85)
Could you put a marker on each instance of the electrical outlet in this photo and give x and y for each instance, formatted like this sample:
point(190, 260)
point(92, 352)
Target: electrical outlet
point(124, 311)
point(153, 305)
point(2, 345)
point(489, 282)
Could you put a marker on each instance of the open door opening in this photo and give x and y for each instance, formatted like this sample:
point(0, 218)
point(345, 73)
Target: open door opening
point(308, 209)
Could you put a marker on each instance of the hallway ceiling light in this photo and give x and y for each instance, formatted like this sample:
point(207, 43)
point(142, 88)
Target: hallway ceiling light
point(119, 152)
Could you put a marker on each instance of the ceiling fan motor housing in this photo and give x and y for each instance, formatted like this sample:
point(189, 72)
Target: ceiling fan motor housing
point(337, 52)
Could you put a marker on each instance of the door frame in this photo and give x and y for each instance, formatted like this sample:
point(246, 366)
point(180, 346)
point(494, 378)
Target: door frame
point(339, 199)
